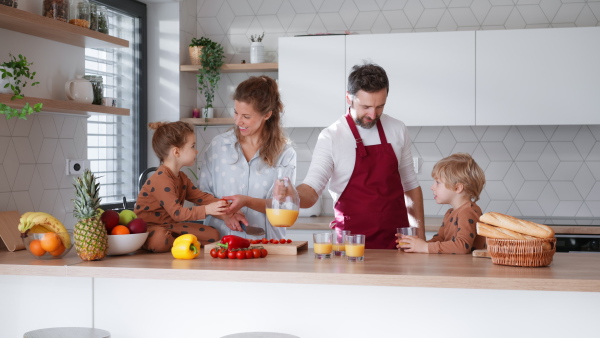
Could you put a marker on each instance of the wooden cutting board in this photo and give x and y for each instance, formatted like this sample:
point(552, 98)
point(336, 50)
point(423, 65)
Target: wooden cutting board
point(290, 249)
point(481, 253)
point(11, 236)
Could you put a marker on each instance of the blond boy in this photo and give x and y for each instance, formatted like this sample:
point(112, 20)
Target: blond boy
point(458, 181)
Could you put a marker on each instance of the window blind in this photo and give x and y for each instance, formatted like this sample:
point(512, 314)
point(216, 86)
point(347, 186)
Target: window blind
point(112, 140)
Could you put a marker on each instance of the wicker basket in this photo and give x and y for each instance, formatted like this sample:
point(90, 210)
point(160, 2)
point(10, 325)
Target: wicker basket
point(195, 54)
point(516, 252)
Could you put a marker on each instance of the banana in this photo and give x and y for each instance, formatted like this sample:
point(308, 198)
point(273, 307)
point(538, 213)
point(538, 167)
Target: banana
point(38, 229)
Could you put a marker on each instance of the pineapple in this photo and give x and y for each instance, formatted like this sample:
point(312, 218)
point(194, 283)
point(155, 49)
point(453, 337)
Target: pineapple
point(91, 239)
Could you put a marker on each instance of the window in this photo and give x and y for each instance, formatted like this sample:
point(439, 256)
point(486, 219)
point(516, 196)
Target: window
point(114, 142)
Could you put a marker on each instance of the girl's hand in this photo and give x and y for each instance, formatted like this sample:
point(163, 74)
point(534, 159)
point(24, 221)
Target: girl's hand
point(216, 208)
point(411, 244)
point(233, 221)
point(236, 203)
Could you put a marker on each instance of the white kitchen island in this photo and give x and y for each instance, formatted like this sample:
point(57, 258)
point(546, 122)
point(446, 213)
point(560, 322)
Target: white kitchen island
point(390, 294)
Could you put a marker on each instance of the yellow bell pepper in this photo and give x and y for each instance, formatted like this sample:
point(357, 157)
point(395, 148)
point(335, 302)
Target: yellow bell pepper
point(186, 247)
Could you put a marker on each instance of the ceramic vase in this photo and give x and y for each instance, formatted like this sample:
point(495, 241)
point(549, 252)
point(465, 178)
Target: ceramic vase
point(257, 52)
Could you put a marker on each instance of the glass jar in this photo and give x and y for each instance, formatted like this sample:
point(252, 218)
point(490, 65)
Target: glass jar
point(56, 9)
point(98, 88)
point(9, 3)
point(81, 15)
point(283, 201)
point(99, 17)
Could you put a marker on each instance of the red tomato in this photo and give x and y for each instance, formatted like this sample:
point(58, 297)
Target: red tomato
point(264, 241)
point(214, 253)
point(231, 255)
point(240, 255)
point(289, 241)
point(282, 241)
point(256, 253)
point(248, 254)
point(263, 253)
point(254, 241)
point(222, 254)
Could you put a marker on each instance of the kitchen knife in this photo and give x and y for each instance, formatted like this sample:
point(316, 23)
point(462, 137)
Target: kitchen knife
point(252, 230)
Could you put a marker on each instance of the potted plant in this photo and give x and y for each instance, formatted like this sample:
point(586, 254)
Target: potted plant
point(196, 49)
point(16, 73)
point(209, 74)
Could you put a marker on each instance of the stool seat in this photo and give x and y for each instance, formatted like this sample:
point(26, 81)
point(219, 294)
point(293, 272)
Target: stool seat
point(67, 332)
point(260, 335)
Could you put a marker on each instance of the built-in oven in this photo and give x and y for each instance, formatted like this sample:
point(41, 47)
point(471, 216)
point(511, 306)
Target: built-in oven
point(577, 243)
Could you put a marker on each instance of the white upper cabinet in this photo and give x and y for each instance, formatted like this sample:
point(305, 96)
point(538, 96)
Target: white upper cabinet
point(432, 75)
point(538, 76)
point(311, 79)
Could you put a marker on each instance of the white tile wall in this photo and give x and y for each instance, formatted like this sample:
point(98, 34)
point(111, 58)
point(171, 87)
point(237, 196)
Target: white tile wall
point(32, 163)
point(536, 171)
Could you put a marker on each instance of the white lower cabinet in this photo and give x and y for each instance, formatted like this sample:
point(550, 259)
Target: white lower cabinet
point(432, 75)
point(538, 76)
point(311, 79)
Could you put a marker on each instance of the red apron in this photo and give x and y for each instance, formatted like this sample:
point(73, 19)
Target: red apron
point(373, 201)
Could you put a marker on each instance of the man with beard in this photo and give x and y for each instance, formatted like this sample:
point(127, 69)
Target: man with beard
point(365, 156)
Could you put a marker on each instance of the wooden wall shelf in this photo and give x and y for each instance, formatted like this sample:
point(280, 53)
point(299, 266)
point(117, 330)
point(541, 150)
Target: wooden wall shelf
point(238, 67)
point(32, 24)
point(218, 121)
point(68, 107)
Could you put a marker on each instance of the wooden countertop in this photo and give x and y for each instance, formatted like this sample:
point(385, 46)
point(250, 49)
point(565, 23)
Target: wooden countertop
point(568, 271)
point(432, 224)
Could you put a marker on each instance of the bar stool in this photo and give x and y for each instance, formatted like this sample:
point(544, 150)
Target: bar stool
point(68, 332)
point(260, 335)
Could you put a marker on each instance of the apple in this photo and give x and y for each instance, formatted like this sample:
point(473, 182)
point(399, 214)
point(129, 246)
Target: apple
point(110, 218)
point(137, 226)
point(126, 216)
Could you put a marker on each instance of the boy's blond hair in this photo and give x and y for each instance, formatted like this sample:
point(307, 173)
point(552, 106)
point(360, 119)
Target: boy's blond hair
point(460, 168)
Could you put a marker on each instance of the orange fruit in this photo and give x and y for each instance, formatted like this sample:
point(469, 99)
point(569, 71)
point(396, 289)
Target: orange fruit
point(58, 251)
point(120, 230)
point(35, 247)
point(50, 241)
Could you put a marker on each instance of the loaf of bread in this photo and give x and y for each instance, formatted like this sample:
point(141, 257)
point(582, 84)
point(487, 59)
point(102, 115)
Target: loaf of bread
point(491, 231)
point(517, 225)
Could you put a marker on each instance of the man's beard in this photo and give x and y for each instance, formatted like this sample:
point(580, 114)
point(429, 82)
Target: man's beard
point(366, 124)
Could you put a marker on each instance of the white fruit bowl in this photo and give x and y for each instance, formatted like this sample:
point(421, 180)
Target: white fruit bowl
point(124, 244)
point(33, 245)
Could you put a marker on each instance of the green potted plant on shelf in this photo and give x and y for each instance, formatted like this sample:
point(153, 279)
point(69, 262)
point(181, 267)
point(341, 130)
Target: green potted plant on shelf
point(14, 75)
point(209, 73)
point(196, 47)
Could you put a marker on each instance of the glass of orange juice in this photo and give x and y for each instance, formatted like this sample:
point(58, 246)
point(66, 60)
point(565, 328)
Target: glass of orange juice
point(355, 247)
point(407, 231)
point(339, 248)
point(322, 245)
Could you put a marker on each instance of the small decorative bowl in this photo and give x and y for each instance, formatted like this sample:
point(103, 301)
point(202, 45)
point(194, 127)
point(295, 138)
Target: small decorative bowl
point(124, 244)
point(37, 243)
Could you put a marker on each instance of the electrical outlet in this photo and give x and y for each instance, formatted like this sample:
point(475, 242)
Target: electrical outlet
point(76, 167)
point(417, 164)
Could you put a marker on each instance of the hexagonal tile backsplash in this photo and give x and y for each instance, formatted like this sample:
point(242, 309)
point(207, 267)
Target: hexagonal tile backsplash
point(32, 163)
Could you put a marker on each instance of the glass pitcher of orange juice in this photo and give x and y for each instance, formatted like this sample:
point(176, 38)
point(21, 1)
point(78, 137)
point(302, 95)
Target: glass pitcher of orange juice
point(283, 202)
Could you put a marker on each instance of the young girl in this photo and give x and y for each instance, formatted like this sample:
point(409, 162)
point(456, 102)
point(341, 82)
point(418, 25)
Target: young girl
point(160, 201)
point(458, 182)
